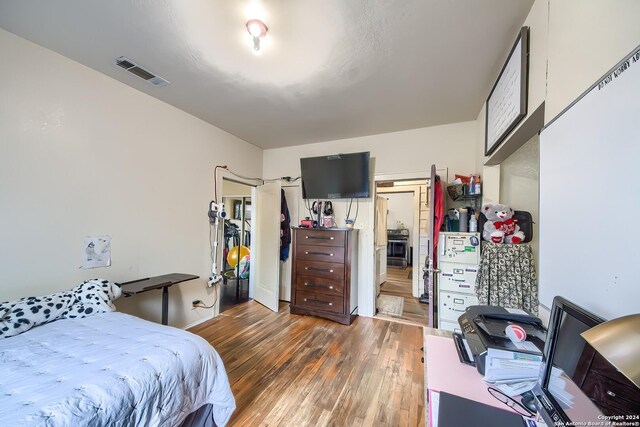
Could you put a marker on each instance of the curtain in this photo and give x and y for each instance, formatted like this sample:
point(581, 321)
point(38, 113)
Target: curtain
point(507, 277)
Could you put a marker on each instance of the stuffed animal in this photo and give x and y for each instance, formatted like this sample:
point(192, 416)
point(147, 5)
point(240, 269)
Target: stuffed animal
point(500, 226)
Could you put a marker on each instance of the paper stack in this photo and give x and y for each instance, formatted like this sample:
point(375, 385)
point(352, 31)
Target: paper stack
point(512, 372)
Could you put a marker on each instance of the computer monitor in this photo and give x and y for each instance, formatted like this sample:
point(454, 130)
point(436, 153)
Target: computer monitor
point(568, 392)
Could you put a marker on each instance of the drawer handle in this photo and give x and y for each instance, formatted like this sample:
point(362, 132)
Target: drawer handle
point(318, 238)
point(318, 269)
point(317, 253)
point(610, 393)
point(318, 301)
point(318, 285)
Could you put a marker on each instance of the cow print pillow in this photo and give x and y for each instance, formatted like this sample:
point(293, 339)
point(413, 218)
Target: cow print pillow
point(91, 297)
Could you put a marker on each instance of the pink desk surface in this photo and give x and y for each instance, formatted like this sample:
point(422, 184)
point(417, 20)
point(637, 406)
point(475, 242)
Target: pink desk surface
point(446, 373)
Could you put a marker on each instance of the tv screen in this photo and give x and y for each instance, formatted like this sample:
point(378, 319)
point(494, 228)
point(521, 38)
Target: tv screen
point(339, 176)
point(570, 386)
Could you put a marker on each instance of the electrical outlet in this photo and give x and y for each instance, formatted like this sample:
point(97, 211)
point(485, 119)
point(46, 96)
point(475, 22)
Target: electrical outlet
point(195, 302)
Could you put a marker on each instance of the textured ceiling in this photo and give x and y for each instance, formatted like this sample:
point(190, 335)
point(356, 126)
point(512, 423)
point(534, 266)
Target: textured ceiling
point(328, 69)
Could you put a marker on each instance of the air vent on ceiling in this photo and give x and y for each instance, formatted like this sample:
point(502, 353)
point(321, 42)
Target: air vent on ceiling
point(134, 68)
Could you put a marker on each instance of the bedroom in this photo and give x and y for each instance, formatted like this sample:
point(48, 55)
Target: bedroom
point(89, 153)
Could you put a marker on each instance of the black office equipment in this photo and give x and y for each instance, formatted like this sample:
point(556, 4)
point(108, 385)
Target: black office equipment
point(483, 328)
point(456, 411)
point(463, 354)
point(339, 176)
point(577, 385)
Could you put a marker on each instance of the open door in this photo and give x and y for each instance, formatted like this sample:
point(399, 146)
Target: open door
point(265, 247)
point(435, 220)
point(381, 241)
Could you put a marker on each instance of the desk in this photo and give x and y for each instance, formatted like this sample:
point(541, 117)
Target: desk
point(163, 282)
point(444, 372)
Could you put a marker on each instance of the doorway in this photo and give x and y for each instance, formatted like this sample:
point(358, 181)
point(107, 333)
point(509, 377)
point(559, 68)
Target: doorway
point(236, 244)
point(401, 247)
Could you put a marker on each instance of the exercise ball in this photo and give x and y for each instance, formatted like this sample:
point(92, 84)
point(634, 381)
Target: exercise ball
point(233, 258)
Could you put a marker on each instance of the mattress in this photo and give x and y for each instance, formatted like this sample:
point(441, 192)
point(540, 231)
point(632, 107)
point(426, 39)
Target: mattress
point(111, 369)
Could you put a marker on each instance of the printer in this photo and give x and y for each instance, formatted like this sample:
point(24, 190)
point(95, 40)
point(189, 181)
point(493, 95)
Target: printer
point(483, 327)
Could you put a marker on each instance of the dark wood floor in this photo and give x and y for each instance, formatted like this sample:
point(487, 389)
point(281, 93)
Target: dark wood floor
point(399, 284)
point(231, 296)
point(288, 370)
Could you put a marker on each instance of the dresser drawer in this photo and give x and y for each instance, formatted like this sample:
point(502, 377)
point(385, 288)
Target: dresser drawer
point(320, 253)
point(313, 301)
point(328, 270)
point(320, 285)
point(319, 237)
point(611, 396)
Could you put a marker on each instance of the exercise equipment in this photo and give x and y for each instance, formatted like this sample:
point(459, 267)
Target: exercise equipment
point(235, 254)
point(216, 213)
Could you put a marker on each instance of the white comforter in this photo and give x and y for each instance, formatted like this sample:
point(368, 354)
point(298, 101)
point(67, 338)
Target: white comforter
point(111, 369)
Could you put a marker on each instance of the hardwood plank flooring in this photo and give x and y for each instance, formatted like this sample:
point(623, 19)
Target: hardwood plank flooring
point(228, 298)
point(289, 370)
point(399, 284)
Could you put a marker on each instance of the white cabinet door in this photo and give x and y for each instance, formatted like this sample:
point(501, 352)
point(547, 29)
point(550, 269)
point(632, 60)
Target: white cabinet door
point(265, 248)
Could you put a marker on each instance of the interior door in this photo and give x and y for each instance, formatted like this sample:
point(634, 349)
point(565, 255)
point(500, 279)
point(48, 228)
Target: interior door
point(381, 241)
point(265, 246)
point(432, 250)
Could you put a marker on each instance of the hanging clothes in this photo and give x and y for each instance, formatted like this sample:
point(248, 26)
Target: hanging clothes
point(285, 228)
point(438, 215)
point(507, 277)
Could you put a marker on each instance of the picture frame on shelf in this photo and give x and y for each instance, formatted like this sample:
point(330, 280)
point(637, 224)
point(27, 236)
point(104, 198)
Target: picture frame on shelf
point(237, 209)
point(506, 105)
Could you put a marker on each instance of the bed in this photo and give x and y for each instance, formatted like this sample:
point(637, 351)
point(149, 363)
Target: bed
point(111, 369)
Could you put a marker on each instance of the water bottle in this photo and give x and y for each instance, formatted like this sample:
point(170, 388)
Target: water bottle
point(473, 224)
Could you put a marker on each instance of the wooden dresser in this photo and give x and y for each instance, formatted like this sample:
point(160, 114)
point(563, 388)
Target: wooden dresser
point(607, 387)
point(324, 278)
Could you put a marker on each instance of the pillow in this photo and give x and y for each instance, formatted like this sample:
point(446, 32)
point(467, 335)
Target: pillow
point(91, 297)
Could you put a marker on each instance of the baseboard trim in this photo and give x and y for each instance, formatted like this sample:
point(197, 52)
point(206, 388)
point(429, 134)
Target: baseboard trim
point(197, 322)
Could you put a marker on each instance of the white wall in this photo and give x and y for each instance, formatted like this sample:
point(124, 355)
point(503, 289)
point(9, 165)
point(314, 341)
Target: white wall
point(231, 188)
point(82, 154)
point(400, 210)
point(586, 39)
point(520, 184)
point(407, 152)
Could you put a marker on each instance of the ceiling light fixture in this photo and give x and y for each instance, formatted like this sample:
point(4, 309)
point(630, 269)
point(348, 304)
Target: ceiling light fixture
point(258, 30)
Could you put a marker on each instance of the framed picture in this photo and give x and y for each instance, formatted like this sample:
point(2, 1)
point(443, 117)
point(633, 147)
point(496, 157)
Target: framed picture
point(507, 102)
point(237, 209)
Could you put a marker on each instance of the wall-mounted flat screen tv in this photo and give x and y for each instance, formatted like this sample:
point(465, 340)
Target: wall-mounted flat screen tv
point(339, 176)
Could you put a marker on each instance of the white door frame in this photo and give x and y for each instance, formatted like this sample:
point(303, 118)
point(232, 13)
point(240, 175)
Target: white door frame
point(219, 180)
point(415, 235)
point(367, 253)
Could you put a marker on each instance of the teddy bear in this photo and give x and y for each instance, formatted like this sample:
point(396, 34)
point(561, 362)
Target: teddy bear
point(501, 226)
